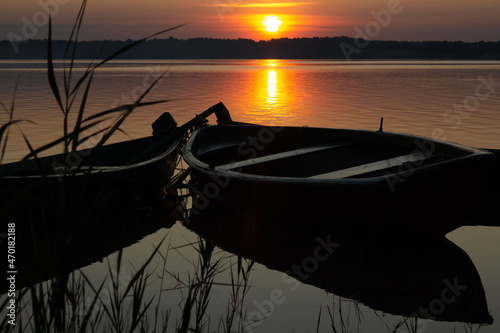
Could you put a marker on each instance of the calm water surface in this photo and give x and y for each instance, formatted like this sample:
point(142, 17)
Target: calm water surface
point(458, 101)
point(413, 97)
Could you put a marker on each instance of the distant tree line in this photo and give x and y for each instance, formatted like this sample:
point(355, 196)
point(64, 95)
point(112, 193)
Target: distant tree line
point(283, 48)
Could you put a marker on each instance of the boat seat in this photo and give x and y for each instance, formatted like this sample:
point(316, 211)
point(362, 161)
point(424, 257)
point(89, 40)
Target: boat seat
point(282, 155)
point(370, 167)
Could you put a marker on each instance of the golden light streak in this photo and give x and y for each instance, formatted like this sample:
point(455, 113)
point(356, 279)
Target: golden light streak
point(272, 87)
point(271, 62)
point(275, 91)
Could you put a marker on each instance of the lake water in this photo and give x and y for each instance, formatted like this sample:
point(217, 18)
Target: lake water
point(455, 100)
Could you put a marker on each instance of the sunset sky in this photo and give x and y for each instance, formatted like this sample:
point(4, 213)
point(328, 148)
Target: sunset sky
point(378, 19)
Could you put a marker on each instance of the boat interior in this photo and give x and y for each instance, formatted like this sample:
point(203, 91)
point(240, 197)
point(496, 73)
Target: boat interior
point(318, 153)
point(112, 155)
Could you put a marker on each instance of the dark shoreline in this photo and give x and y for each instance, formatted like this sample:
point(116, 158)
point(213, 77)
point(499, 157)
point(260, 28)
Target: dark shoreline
point(284, 48)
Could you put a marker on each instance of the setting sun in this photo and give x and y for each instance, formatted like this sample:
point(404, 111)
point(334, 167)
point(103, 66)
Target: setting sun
point(271, 23)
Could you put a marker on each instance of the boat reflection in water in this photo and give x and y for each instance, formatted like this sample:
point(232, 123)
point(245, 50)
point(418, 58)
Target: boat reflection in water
point(54, 246)
point(437, 281)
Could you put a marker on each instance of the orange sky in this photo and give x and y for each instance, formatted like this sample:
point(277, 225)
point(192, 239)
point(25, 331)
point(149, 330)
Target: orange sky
point(388, 19)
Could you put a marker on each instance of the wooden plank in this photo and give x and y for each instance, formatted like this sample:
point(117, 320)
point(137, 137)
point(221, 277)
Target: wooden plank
point(370, 167)
point(282, 155)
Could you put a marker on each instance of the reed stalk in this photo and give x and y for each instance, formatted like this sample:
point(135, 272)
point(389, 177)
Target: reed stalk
point(5, 128)
point(239, 287)
point(70, 301)
point(68, 96)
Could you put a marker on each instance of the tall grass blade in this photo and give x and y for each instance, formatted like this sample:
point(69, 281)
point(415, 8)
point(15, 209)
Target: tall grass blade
point(319, 319)
point(12, 105)
point(141, 271)
point(78, 121)
point(162, 280)
point(84, 139)
point(138, 315)
point(56, 142)
point(134, 44)
point(76, 27)
point(124, 107)
point(97, 292)
point(130, 109)
point(3, 143)
point(120, 52)
point(73, 40)
point(4, 107)
point(4, 130)
point(32, 151)
point(88, 137)
point(50, 69)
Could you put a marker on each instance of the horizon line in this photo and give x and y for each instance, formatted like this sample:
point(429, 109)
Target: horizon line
point(261, 40)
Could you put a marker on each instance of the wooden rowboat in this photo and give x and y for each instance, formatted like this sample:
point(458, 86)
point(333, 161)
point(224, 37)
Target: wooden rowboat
point(113, 177)
point(386, 183)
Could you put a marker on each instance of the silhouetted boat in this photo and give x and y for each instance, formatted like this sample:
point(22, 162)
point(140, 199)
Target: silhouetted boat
point(392, 184)
point(50, 247)
point(112, 177)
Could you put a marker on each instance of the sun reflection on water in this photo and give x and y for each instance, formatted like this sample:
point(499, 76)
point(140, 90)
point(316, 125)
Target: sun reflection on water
point(271, 62)
point(272, 87)
point(276, 92)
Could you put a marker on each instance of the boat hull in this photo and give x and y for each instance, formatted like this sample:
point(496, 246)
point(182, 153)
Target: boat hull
point(419, 202)
point(96, 185)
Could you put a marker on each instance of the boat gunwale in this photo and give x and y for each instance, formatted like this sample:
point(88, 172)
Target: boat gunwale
point(92, 170)
point(193, 161)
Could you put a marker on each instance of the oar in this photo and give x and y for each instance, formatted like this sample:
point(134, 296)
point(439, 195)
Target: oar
point(220, 111)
